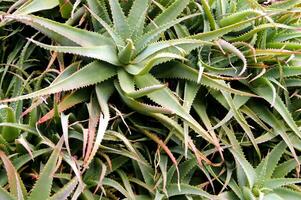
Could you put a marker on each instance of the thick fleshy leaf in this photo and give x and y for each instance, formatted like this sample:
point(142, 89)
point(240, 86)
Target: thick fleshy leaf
point(91, 74)
point(119, 19)
point(43, 185)
point(169, 14)
point(67, 102)
point(172, 190)
point(65, 191)
point(76, 35)
point(35, 6)
point(138, 11)
point(153, 34)
point(14, 179)
point(5, 195)
point(108, 53)
point(265, 92)
point(246, 166)
point(182, 71)
point(165, 98)
point(9, 133)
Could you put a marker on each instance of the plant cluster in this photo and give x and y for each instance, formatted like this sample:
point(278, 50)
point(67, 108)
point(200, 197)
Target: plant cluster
point(150, 99)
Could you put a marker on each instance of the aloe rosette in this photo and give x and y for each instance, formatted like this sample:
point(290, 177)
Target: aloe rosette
point(128, 51)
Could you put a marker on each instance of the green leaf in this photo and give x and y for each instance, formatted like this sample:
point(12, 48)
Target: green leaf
point(241, 120)
point(245, 165)
point(65, 8)
point(284, 72)
point(145, 67)
point(35, 6)
point(285, 4)
point(112, 183)
point(208, 13)
point(67, 102)
point(127, 85)
point(221, 7)
point(91, 74)
point(103, 91)
point(182, 71)
point(65, 191)
point(99, 8)
point(212, 35)
point(76, 35)
point(228, 20)
point(272, 196)
point(9, 133)
point(248, 35)
point(279, 182)
point(108, 52)
point(120, 22)
point(22, 127)
point(136, 17)
point(286, 193)
point(173, 190)
point(282, 37)
point(126, 184)
point(42, 187)
point(5, 195)
point(229, 47)
point(168, 15)
point(271, 160)
point(248, 195)
point(279, 128)
point(153, 34)
point(177, 45)
point(126, 53)
point(139, 106)
point(166, 99)
point(113, 34)
point(284, 45)
point(262, 90)
point(286, 167)
point(22, 160)
point(14, 180)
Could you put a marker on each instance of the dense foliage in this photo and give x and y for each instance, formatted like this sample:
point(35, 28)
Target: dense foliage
point(150, 99)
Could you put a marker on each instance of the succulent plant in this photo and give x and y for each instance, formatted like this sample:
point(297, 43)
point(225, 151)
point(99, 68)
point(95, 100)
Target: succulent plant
point(150, 99)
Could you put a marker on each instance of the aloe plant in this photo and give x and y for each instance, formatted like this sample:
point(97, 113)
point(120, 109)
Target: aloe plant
point(42, 187)
point(193, 75)
point(130, 51)
point(126, 50)
point(267, 180)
